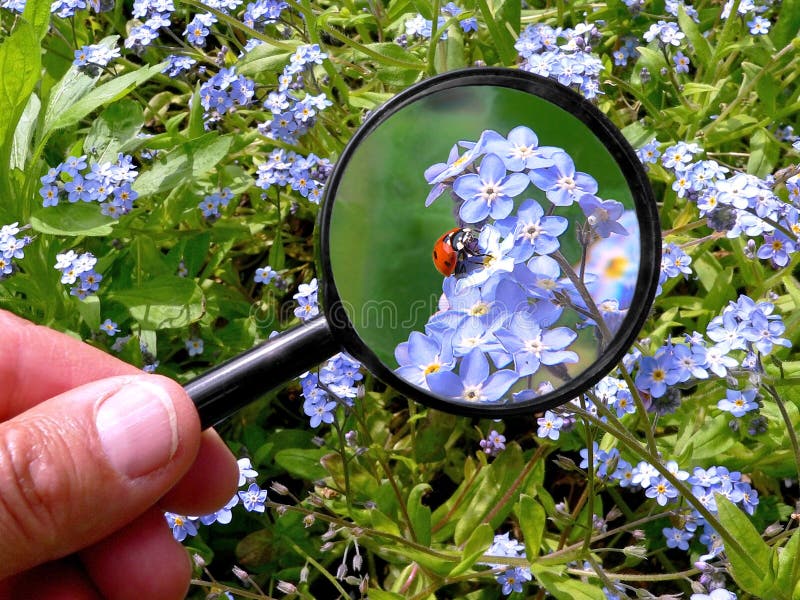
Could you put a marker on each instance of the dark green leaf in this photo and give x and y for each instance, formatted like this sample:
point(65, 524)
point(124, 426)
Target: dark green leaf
point(108, 92)
point(564, 587)
point(532, 521)
point(264, 59)
point(787, 25)
point(185, 163)
point(37, 13)
point(116, 125)
point(420, 514)
point(21, 144)
point(500, 22)
point(303, 463)
point(476, 546)
point(163, 302)
point(750, 568)
point(19, 64)
point(788, 572)
point(702, 49)
point(72, 219)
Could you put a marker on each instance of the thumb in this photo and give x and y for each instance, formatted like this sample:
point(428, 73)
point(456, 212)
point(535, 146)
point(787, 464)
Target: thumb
point(81, 465)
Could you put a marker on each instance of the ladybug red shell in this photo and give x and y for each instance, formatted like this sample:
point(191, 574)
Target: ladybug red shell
point(453, 248)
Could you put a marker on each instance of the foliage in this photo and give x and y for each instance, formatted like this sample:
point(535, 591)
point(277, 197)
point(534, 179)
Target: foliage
point(168, 159)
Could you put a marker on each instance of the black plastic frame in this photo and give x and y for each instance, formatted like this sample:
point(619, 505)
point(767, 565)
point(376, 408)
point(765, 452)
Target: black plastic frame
point(644, 204)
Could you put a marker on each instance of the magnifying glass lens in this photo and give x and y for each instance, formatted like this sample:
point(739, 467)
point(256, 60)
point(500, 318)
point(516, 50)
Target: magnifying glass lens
point(486, 244)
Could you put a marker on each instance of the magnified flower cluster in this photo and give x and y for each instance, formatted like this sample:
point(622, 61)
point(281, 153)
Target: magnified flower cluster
point(77, 179)
point(527, 282)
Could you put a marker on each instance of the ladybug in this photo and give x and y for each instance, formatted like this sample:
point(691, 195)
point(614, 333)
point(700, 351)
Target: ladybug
point(451, 251)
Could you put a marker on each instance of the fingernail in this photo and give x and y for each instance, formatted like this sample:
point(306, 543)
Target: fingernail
point(138, 428)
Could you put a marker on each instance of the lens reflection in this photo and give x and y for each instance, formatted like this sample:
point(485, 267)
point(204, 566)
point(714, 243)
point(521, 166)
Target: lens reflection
point(485, 245)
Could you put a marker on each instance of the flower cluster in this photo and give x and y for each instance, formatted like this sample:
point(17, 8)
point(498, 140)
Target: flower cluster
point(223, 93)
point(738, 204)
point(570, 62)
point(704, 483)
point(494, 443)
point(78, 271)
point(419, 26)
point(747, 328)
point(11, 247)
point(253, 499)
point(514, 296)
point(95, 55)
point(107, 183)
point(306, 297)
point(511, 578)
point(304, 174)
point(293, 116)
point(211, 204)
point(336, 382)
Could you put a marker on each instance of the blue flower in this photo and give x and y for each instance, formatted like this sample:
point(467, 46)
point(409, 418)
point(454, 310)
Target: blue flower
point(109, 327)
point(534, 232)
point(421, 356)
point(246, 471)
point(561, 183)
point(662, 490)
point(520, 150)
point(602, 215)
point(677, 538)
point(549, 425)
point(490, 192)
point(181, 526)
point(655, 374)
point(738, 403)
point(513, 579)
point(473, 383)
point(531, 345)
point(254, 498)
point(194, 346)
point(320, 411)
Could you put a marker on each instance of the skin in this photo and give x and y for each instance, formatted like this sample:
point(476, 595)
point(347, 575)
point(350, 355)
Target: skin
point(74, 527)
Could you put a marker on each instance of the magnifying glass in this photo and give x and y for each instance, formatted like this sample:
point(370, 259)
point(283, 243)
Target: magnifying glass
point(488, 245)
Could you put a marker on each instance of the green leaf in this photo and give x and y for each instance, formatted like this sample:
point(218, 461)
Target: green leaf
point(37, 13)
point(163, 302)
point(532, 520)
point(476, 546)
point(564, 587)
point(750, 569)
point(108, 92)
point(788, 23)
point(500, 22)
point(20, 65)
point(702, 49)
point(117, 124)
point(89, 309)
point(21, 144)
point(187, 162)
point(764, 153)
point(72, 219)
point(265, 58)
point(788, 572)
point(75, 84)
point(379, 594)
point(303, 463)
point(420, 514)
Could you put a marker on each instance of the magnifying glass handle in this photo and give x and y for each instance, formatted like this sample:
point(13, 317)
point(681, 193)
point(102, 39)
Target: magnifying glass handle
point(223, 390)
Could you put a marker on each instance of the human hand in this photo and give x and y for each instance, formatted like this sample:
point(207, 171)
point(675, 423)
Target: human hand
point(92, 452)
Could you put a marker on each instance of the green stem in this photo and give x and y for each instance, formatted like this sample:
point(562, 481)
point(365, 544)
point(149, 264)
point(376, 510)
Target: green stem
point(788, 422)
point(640, 408)
point(614, 427)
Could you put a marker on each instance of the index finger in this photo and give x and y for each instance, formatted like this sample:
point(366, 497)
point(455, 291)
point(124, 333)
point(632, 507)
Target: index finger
point(37, 363)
